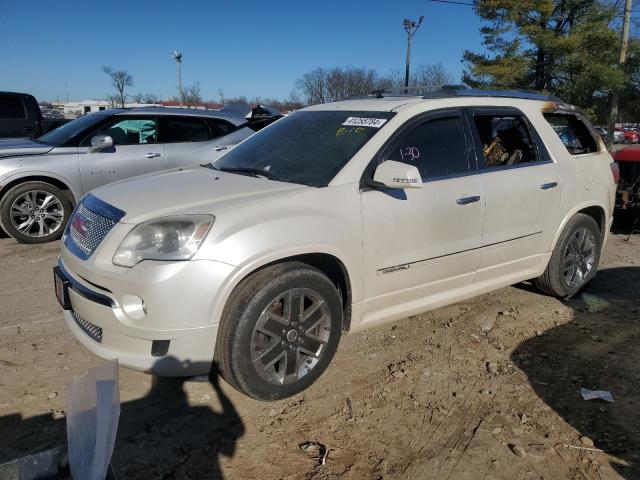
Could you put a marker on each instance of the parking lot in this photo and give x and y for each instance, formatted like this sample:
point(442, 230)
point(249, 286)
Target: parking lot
point(488, 388)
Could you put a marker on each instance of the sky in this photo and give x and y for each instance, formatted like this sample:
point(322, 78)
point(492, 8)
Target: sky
point(251, 48)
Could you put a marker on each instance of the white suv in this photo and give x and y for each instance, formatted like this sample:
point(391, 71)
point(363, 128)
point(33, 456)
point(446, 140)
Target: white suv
point(334, 219)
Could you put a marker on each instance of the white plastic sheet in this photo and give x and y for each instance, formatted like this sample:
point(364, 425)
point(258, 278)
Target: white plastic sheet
point(600, 394)
point(93, 410)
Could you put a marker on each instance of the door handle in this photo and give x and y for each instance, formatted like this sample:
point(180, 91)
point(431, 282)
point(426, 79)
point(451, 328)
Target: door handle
point(220, 149)
point(468, 200)
point(547, 186)
point(152, 155)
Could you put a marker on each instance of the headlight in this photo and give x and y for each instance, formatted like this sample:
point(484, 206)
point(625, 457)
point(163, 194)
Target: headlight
point(166, 238)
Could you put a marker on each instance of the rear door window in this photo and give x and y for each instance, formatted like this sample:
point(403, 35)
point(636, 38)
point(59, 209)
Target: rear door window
point(505, 140)
point(437, 147)
point(187, 129)
point(11, 108)
point(573, 132)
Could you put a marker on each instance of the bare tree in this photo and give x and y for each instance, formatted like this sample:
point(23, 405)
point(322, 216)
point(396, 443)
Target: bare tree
point(231, 100)
point(192, 95)
point(330, 85)
point(394, 79)
point(313, 86)
point(431, 77)
point(150, 98)
point(349, 81)
point(119, 79)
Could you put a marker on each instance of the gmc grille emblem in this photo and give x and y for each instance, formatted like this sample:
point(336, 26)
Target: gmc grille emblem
point(81, 224)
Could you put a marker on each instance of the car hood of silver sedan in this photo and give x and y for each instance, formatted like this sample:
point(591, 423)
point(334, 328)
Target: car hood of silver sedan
point(195, 190)
point(15, 147)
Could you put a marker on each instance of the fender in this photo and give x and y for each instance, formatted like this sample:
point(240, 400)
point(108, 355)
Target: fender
point(256, 262)
point(575, 210)
point(75, 190)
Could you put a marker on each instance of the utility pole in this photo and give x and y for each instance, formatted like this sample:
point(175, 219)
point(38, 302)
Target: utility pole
point(411, 28)
point(177, 56)
point(615, 99)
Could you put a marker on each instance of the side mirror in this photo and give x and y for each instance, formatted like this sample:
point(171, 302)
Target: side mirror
point(394, 174)
point(100, 142)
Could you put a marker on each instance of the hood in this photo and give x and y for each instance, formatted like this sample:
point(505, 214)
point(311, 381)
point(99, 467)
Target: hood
point(15, 147)
point(627, 154)
point(187, 191)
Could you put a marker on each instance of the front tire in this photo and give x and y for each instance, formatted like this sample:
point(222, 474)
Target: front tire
point(574, 260)
point(279, 331)
point(34, 212)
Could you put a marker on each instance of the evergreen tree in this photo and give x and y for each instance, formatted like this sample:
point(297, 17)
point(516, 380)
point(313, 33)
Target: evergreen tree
point(565, 47)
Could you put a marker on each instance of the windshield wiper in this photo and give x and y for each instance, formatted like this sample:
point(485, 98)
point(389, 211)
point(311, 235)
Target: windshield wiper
point(254, 172)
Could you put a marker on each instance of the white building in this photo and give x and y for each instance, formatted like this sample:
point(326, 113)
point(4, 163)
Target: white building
point(82, 107)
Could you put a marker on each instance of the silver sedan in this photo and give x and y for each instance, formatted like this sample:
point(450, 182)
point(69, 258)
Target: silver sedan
point(41, 180)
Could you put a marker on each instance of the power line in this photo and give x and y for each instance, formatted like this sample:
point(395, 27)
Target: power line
point(453, 2)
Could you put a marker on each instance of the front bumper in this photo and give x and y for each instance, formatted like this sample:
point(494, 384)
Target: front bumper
point(156, 317)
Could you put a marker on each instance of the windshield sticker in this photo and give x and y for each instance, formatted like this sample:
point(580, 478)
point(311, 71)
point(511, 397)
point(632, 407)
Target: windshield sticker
point(342, 130)
point(364, 122)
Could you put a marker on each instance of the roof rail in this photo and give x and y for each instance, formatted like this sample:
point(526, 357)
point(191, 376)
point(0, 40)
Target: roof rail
point(449, 91)
point(452, 91)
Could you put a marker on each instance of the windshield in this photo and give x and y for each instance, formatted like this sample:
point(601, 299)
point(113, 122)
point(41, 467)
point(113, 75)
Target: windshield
point(67, 131)
point(308, 147)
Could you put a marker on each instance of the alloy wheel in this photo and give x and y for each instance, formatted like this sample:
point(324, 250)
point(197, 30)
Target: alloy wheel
point(290, 336)
point(579, 257)
point(36, 213)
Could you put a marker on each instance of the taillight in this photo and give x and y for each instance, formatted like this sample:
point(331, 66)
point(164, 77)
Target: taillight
point(615, 170)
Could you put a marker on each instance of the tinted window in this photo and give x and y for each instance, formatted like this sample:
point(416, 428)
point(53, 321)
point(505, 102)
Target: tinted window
point(506, 140)
point(11, 108)
point(221, 128)
point(437, 147)
point(306, 147)
point(184, 129)
point(131, 131)
point(574, 134)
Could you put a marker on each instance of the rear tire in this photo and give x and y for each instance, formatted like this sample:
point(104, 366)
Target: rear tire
point(574, 260)
point(279, 331)
point(34, 212)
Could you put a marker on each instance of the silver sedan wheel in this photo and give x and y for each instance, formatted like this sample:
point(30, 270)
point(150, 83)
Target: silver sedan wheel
point(579, 257)
point(290, 336)
point(36, 213)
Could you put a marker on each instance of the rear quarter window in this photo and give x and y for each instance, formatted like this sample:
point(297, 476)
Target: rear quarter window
point(573, 132)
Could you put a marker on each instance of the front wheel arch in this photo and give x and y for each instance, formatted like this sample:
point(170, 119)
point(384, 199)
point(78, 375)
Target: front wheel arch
point(55, 182)
point(329, 264)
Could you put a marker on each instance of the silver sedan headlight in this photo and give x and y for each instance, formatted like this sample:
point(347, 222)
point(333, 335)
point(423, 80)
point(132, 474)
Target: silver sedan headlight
point(166, 238)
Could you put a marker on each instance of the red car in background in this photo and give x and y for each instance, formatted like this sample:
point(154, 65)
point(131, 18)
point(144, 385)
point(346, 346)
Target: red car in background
point(628, 195)
point(625, 135)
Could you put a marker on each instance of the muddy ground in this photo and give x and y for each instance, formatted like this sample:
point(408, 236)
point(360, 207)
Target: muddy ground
point(488, 388)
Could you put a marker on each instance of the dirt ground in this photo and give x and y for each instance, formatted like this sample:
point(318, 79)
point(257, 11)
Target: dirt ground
point(488, 388)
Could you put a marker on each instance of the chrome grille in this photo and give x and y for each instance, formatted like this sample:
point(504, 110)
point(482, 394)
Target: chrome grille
point(87, 229)
point(94, 331)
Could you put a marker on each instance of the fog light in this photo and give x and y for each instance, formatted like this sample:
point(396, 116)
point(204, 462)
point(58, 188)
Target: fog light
point(159, 348)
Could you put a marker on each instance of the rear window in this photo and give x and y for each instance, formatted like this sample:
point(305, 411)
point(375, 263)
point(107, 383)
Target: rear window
point(11, 108)
point(573, 132)
point(187, 129)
